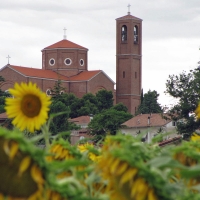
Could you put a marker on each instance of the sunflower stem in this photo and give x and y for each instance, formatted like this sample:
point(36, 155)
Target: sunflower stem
point(46, 136)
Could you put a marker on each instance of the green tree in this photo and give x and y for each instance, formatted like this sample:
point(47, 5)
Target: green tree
point(185, 88)
point(104, 99)
point(150, 103)
point(57, 89)
point(120, 107)
point(108, 122)
point(60, 123)
point(89, 105)
point(141, 96)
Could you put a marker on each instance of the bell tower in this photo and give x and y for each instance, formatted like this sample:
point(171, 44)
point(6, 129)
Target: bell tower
point(129, 61)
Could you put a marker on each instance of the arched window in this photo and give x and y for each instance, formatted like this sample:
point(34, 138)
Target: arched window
point(135, 34)
point(124, 33)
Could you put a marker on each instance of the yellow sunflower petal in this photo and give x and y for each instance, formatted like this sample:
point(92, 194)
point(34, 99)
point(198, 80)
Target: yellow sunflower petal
point(151, 195)
point(36, 174)
point(13, 150)
point(128, 175)
point(24, 165)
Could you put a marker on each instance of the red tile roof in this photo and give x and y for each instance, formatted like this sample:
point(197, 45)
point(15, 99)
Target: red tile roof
point(40, 73)
point(3, 116)
point(65, 44)
point(129, 17)
point(81, 120)
point(156, 119)
point(85, 75)
point(49, 74)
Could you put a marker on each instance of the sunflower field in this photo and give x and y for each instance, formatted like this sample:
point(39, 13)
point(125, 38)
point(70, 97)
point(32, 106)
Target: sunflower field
point(121, 168)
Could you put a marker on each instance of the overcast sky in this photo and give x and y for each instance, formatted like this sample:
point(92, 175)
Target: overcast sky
point(171, 34)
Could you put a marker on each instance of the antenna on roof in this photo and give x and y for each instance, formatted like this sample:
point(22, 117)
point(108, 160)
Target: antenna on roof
point(129, 5)
point(65, 37)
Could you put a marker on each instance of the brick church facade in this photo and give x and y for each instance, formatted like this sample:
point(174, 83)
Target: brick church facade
point(68, 62)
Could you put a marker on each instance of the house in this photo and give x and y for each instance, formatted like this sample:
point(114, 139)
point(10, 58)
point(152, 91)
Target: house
point(81, 133)
point(149, 125)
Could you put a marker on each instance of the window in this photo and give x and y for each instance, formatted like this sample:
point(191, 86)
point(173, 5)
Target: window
point(135, 34)
point(173, 123)
point(68, 61)
point(81, 62)
point(135, 74)
point(52, 61)
point(124, 33)
point(123, 74)
point(48, 92)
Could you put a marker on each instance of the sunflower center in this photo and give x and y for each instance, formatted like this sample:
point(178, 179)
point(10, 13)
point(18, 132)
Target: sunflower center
point(30, 105)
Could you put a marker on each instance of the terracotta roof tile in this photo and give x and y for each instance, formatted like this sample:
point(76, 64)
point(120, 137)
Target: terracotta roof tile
point(49, 74)
point(64, 44)
point(81, 120)
point(129, 17)
point(3, 116)
point(156, 119)
point(40, 73)
point(85, 75)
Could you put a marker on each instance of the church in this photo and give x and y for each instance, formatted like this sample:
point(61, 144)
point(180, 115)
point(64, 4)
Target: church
point(68, 62)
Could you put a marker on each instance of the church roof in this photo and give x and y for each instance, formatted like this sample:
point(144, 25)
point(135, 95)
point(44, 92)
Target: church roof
point(85, 75)
point(65, 44)
point(129, 17)
point(49, 74)
point(40, 73)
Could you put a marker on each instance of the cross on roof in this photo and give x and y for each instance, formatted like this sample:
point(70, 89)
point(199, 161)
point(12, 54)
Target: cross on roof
point(129, 9)
point(8, 58)
point(65, 37)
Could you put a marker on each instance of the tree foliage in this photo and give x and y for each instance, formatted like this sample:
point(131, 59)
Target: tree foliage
point(104, 99)
point(185, 88)
point(150, 103)
point(108, 121)
point(57, 89)
point(89, 104)
point(120, 107)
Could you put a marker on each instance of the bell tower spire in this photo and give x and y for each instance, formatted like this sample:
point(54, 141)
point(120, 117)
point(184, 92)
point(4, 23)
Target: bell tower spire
point(129, 61)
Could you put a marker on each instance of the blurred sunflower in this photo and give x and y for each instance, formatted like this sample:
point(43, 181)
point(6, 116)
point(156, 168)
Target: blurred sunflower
point(197, 111)
point(188, 155)
point(93, 154)
point(29, 107)
point(60, 150)
point(195, 137)
point(21, 176)
point(124, 165)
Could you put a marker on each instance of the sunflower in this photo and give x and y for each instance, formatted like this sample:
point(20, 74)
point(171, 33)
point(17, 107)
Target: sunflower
point(124, 166)
point(21, 175)
point(188, 155)
point(93, 154)
point(29, 107)
point(60, 150)
point(195, 137)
